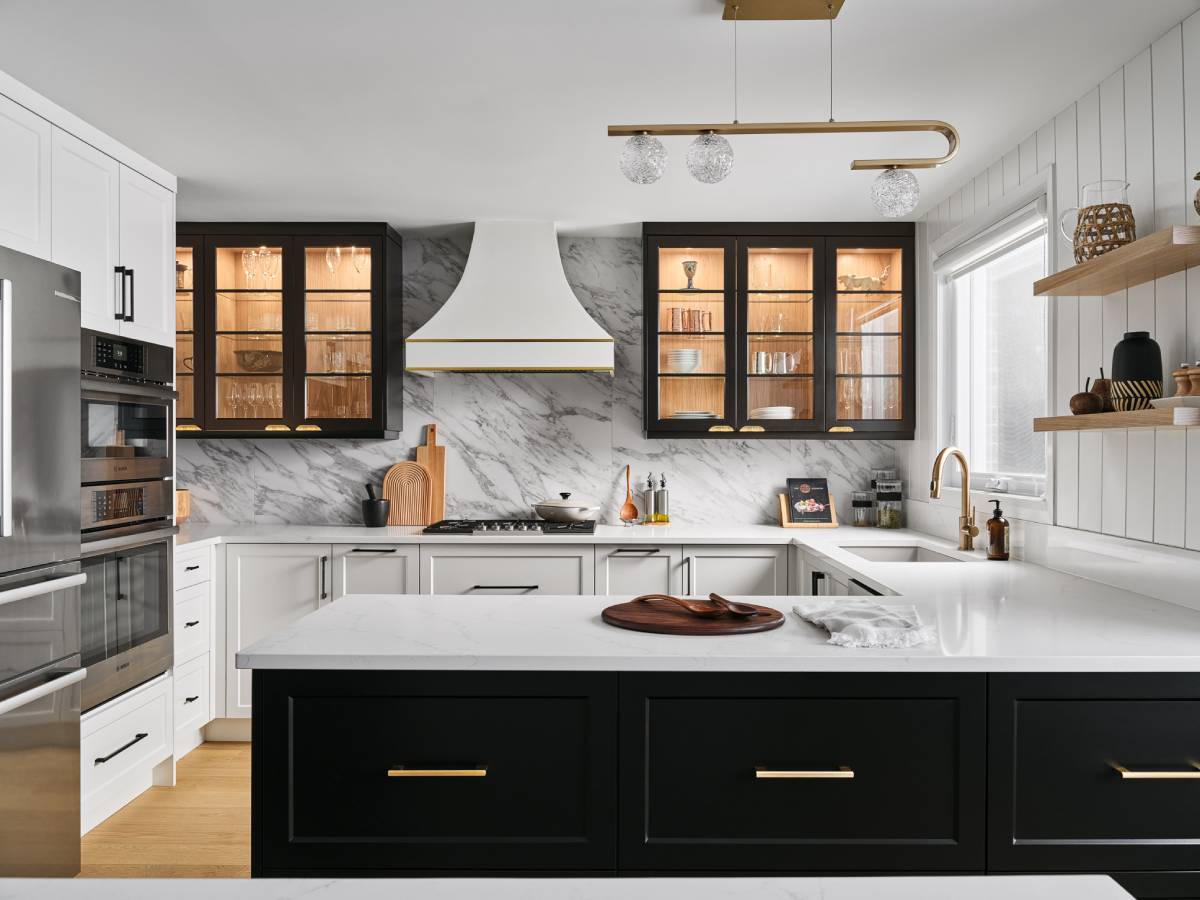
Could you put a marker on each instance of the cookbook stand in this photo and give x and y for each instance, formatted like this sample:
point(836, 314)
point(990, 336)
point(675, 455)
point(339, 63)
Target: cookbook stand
point(785, 521)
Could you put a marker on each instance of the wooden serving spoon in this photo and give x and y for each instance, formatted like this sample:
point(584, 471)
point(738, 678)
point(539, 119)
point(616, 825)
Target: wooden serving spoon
point(629, 512)
point(736, 609)
point(705, 610)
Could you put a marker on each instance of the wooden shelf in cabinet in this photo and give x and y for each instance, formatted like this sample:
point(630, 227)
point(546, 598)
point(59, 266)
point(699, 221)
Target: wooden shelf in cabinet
point(1162, 253)
point(1142, 418)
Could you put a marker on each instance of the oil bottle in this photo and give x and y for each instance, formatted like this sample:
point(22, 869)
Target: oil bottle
point(998, 531)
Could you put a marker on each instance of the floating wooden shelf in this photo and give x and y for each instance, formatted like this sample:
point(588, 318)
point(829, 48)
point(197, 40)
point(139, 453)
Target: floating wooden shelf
point(1162, 253)
point(1143, 418)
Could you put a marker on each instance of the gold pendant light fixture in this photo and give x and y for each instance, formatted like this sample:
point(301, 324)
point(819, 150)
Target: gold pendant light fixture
point(710, 158)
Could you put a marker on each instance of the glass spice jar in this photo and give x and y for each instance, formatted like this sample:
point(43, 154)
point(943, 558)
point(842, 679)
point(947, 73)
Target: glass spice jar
point(862, 508)
point(889, 496)
point(878, 475)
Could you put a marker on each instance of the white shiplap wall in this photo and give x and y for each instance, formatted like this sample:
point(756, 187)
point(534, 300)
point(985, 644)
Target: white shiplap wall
point(1142, 124)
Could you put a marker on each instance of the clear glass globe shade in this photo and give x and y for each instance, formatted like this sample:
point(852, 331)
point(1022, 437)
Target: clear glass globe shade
point(643, 159)
point(710, 158)
point(895, 192)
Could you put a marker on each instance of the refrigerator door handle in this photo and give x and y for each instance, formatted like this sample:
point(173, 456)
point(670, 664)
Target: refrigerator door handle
point(38, 588)
point(42, 690)
point(6, 412)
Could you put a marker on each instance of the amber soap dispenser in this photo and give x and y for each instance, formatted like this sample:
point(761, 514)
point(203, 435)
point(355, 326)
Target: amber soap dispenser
point(997, 530)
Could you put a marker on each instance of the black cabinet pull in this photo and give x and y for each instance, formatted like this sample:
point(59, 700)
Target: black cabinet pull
point(187, 700)
point(129, 317)
point(373, 550)
point(119, 293)
point(141, 736)
point(324, 565)
point(644, 551)
point(191, 624)
point(817, 577)
point(191, 568)
point(504, 587)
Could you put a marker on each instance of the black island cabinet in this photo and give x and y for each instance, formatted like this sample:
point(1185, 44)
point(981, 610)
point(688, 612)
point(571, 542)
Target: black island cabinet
point(787, 330)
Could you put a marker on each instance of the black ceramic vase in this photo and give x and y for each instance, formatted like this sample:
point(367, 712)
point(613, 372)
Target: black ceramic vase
point(1137, 372)
point(375, 512)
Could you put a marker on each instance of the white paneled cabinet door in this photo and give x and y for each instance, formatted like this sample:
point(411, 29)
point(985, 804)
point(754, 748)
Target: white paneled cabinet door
point(510, 569)
point(148, 249)
point(24, 180)
point(638, 570)
point(375, 569)
point(85, 225)
point(267, 586)
point(735, 569)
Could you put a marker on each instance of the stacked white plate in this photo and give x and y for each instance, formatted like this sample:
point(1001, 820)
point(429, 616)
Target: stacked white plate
point(1176, 402)
point(684, 360)
point(773, 412)
point(691, 414)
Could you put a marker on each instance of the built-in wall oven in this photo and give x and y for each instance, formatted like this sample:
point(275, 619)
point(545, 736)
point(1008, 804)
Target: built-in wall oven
point(127, 507)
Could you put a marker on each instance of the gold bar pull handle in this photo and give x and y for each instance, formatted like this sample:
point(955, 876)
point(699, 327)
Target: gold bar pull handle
point(422, 771)
point(752, 428)
point(1191, 774)
point(308, 427)
point(277, 428)
point(187, 427)
point(841, 772)
point(720, 429)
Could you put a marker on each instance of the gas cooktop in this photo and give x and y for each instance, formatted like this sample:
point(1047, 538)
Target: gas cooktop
point(508, 526)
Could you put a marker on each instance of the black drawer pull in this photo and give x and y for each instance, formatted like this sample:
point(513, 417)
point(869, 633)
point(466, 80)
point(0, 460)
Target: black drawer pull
point(187, 700)
point(459, 771)
point(504, 587)
point(644, 551)
point(141, 736)
point(190, 568)
point(1159, 774)
point(374, 550)
point(191, 624)
point(841, 772)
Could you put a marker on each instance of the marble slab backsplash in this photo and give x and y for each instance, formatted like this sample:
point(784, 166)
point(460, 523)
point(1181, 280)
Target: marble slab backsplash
point(515, 439)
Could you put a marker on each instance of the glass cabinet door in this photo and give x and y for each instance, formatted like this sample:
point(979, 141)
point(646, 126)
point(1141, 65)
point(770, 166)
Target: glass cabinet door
point(780, 337)
point(188, 409)
point(339, 283)
point(869, 320)
point(689, 335)
point(248, 346)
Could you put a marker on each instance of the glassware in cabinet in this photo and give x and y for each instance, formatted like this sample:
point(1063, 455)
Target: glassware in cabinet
point(187, 338)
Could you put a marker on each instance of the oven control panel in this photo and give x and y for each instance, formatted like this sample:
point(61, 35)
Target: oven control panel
point(118, 503)
point(111, 505)
point(120, 356)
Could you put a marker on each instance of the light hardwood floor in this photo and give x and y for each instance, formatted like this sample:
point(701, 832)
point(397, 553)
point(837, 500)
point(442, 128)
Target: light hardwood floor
point(198, 829)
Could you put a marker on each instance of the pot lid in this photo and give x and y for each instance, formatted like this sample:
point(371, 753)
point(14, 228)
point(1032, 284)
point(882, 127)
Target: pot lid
point(565, 502)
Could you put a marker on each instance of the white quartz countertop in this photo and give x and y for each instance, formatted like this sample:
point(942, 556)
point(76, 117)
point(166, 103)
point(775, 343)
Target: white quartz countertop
point(959, 887)
point(411, 534)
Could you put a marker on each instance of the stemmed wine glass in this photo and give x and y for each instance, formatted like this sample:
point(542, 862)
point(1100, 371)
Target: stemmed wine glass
point(256, 398)
point(249, 264)
point(333, 259)
point(268, 263)
point(360, 256)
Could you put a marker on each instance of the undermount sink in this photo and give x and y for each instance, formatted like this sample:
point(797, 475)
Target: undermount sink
point(900, 553)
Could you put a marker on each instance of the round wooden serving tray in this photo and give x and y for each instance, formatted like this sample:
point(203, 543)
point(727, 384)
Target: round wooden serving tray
point(663, 617)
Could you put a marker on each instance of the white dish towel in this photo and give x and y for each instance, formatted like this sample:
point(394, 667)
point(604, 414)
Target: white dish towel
point(865, 623)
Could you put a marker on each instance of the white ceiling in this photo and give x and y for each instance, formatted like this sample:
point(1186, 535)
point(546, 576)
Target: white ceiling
point(445, 111)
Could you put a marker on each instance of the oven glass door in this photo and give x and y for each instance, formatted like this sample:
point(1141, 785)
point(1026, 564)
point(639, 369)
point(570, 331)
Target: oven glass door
point(126, 600)
point(124, 437)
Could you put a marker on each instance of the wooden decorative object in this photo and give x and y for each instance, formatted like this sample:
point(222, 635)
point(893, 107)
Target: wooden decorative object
point(433, 457)
point(408, 486)
point(1085, 402)
point(785, 519)
point(664, 617)
point(183, 505)
point(1144, 418)
point(1102, 228)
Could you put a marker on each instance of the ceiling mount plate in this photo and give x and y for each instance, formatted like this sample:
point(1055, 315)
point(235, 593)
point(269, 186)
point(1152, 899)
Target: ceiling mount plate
point(781, 10)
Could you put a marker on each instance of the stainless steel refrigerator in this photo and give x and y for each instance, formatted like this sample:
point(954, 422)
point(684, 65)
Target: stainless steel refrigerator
point(40, 574)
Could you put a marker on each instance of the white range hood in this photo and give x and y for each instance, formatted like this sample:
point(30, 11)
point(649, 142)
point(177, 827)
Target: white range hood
point(513, 311)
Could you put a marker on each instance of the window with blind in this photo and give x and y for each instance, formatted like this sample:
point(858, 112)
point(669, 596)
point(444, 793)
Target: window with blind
point(993, 371)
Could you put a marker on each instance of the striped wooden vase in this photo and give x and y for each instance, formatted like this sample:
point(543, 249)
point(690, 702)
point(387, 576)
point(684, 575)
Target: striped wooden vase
point(1128, 396)
point(1137, 372)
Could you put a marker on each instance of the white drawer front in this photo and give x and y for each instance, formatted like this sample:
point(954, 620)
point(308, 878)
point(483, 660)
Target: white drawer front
point(120, 744)
point(193, 622)
point(192, 566)
point(509, 570)
point(192, 696)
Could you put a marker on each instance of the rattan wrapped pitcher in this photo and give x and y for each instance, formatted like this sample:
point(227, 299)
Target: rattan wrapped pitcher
point(1104, 222)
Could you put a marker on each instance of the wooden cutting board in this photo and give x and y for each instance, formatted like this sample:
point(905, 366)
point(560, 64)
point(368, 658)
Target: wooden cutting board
point(663, 617)
point(407, 485)
point(433, 458)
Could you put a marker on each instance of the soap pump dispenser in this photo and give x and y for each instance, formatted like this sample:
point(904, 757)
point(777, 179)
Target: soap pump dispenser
point(998, 531)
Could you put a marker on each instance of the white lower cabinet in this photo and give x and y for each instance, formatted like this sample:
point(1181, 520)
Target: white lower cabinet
point(193, 704)
point(193, 622)
point(267, 587)
point(513, 569)
point(735, 569)
point(120, 744)
point(375, 569)
point(638, 570)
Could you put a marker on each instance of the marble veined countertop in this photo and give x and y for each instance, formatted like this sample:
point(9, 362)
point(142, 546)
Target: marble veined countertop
point(959, 887)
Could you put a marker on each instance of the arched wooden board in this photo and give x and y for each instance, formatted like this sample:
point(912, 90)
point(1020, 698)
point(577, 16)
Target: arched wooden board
point(407, 485)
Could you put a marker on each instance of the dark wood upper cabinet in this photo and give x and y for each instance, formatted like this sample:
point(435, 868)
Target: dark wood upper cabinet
point(288, 330)
point(779, 330)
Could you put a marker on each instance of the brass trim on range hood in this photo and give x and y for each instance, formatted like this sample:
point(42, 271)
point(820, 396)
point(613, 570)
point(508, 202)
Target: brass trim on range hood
point(872, 126)
point(510, 340)
point(507, 369)
point(781, 10)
